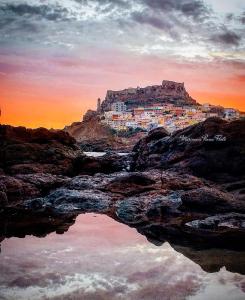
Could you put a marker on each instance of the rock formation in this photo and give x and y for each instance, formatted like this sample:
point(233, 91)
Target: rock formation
point(171, 198)
point(94, 135)
point(213, 149)
point(167, 92)
point(35, 161)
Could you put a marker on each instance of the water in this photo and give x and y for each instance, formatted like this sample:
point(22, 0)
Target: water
point(99, 154)
point(99, 258)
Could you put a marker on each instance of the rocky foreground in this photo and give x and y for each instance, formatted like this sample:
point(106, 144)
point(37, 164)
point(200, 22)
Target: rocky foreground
point(187, 188)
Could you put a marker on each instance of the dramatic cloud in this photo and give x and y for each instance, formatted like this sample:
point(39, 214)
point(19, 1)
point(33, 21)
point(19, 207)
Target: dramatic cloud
point(227, 38)
point(81, 48)
point(194, 8)
point(242, 18)
point(43, 11)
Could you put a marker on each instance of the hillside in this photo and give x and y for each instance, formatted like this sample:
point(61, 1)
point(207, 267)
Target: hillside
point(167, 92)
point(93, 135)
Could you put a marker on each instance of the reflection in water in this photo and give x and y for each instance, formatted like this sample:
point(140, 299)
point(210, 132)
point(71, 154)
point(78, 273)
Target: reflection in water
point(99, 258)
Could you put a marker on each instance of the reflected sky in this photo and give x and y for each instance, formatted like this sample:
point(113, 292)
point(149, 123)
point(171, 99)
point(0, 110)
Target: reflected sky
point(99, 258)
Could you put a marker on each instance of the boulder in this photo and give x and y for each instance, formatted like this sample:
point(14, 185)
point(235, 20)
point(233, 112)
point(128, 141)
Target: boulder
point(27, 151)
point(211, 199)
point(212, 149)
point(130, 184)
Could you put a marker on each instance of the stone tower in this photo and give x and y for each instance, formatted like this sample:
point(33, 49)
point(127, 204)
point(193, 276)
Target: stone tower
point(98, 105)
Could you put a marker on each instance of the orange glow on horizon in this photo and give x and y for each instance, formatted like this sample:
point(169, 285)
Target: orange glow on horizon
point(33, 104)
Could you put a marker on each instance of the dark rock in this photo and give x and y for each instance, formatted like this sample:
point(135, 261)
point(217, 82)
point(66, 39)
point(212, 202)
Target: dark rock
point(108, 163)
point(68, 201)
point(212, 260)
point(146, 151)
point(231, 221)
point(130, 184)
point(3, 199)
point(16, 190)
point(167, 92)
point(19, 223)
point(211, 199)
point(213, 149)
point(25, 151)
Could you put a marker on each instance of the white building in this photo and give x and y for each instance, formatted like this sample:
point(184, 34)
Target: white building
point(119, 107)
point(231, 113)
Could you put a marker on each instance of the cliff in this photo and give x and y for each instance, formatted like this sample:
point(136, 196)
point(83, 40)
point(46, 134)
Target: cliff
point(90, 128)
point(168, 92)
point(94, 135)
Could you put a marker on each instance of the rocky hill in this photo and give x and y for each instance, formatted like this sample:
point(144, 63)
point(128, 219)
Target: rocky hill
point(167, 92)
point(91, 130)
point(94, 135)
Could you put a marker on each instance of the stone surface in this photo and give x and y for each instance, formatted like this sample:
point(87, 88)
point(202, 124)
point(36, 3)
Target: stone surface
point(198, 150)
point(93, 135)
point(36, 151)
point(167, 201)
point(167, 92)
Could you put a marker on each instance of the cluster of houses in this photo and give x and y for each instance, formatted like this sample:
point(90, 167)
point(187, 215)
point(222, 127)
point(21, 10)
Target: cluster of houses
point(170, 116)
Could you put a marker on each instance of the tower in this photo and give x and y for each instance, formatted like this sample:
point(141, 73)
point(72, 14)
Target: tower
point(98, 105)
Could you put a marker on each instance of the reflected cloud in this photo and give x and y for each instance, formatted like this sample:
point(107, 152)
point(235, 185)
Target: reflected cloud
point(99, 257)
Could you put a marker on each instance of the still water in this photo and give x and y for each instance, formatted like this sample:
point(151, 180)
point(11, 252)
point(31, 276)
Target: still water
point(99, 154)
point(99, 258)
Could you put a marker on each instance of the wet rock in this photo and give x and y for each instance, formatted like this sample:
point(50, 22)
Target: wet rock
point(19, 223)
point(213, 149)
point(71, 201)
point(25, 151)
point(130, 184)
point(16, 190)
point(212, 260)
point(3, 199)
point(108, 163)
point(231, 221)
point(44, 182)
point(211, 199)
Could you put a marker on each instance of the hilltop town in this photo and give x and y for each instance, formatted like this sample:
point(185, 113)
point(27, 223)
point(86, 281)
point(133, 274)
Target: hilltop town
point(125, 116)
point(167, 105)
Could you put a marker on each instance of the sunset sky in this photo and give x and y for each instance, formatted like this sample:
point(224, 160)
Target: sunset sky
point(58, 57)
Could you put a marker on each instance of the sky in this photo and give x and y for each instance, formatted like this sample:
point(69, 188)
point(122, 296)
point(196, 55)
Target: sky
point(58, 57)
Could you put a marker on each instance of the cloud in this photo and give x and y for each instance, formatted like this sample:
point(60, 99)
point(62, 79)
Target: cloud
point(179, 28)
point(195, 9)
point(241, 18)
point(43, 11)
point(228, 38)
point(144, 18)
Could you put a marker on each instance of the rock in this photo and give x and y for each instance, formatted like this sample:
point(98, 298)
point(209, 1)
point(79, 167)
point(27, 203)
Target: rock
point(212, 260)
point(222, 230)
point(3, 199)
point(16, 190)
point(229, 221)
point(211, 199)
point(167, 92)
point(130, 184)
point(26, 186)
point(68, 201)
point(148, 208)
point(93, 135)
point(20, 223)
point(26, 151)
point(91, 129)
point(108, 163)
point(204, 149)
